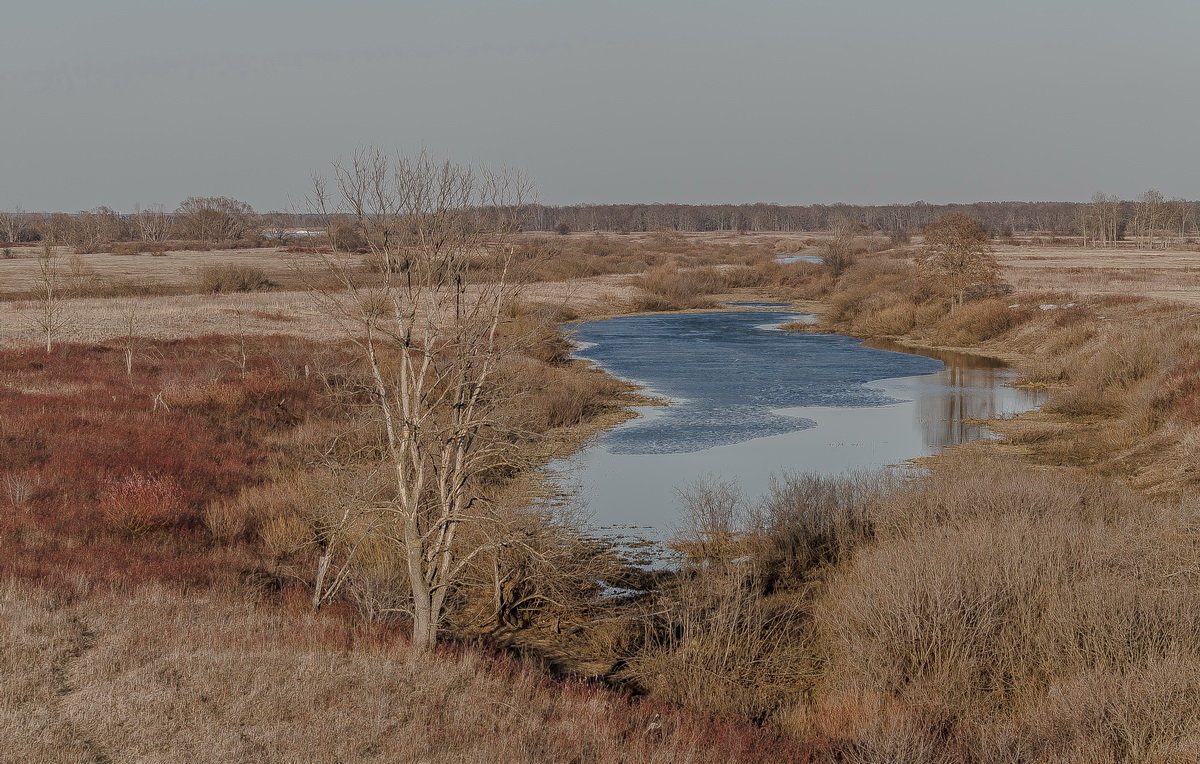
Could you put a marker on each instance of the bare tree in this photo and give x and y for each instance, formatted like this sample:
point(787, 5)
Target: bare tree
point(1100, 220)
point(51, 318)
point(956, 251)
point(837, 254)
point(1179, 217)
point(1149, 217)
point(430, 342)
point(151, 223)
point(215, 218)
point(10, 224)
point(279, 226)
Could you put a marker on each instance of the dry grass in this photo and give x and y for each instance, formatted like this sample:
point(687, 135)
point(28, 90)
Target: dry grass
point(154, 674)
point(102, 662)
point(987, 611)
point(990, 588)
point(167, 271)
point(671, 288)
point(193, 315)
point(1164, 275)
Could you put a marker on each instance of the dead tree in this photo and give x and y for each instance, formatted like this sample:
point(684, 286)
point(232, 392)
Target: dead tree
point(10, 224)
point(51, 318)
point(426, 326)
point(151, 223)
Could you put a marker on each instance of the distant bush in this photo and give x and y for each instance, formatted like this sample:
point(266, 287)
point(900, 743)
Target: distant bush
point(139, 248)
point(346, 238)
point(231, 277)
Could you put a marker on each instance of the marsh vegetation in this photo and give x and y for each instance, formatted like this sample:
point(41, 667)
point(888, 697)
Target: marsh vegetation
point(212, 506)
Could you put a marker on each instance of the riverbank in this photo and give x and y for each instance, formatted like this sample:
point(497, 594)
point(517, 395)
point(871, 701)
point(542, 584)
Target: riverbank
point(1120, 372)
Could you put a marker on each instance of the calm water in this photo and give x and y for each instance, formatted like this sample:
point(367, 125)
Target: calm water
point(799, 259)
point(749, 400)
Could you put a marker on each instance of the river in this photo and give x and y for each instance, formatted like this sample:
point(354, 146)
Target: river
point(749, 400)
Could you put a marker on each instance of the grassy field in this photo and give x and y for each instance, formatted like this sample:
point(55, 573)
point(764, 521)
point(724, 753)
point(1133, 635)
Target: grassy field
point(1030, 600)
point(1162, 275)
point(585, 275)
point(93, 319)
point(152, 673)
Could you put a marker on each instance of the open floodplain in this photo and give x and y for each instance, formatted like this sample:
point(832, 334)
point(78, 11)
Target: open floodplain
point(860, 514)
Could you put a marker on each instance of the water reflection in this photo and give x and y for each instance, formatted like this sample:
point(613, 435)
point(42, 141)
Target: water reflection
point(950, 404)
point(751, 401)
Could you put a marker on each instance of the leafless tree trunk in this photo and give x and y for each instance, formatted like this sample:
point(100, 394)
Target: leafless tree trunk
point(10, 224)
point(429, 341)
point(1099, 220)
point(51, 319)
point(131, 342)
point(1148, 217)
point(837, 254)
point(151, 223)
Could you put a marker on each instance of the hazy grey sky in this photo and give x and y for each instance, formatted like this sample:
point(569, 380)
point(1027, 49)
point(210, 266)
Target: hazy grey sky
point(123, 102)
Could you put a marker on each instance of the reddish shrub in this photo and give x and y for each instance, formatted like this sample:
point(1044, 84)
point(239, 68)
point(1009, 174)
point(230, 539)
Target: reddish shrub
point(1180, 392)
point(140, 503)
point(110, 451)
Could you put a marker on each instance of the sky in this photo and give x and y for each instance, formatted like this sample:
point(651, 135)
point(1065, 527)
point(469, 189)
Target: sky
point(135, 102)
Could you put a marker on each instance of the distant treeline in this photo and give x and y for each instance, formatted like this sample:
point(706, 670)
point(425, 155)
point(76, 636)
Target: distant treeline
point(1056, 217)
point(1149, 220)
point(1105, 217)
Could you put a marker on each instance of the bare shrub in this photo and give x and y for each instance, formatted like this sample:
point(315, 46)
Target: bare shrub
point(715, 644)
point(988, 586)
point(672, 288)
point(838, 254)
point(713, 522)
point(1144, 713)
point(977, 322)
point(1104, 374)
point(139, 248)
point(19, 487)
point(231, 277)
point(807, 521)
point(730, 633)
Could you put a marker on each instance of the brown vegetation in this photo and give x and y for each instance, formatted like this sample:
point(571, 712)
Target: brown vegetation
point(1116, 366)
point(989, 610)
point(231, 277)
point(154, 673)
